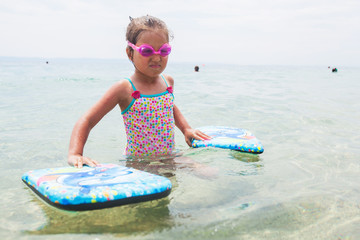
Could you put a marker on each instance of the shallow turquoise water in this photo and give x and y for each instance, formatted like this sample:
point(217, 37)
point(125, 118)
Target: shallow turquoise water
point(304, 186)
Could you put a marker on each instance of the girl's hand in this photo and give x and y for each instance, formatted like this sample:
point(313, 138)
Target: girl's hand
point(78, 161)
point(191, 134)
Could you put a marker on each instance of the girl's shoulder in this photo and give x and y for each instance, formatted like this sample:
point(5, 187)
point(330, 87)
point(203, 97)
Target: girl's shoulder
point(123, 84)
point(121, 88)
point(169, 79)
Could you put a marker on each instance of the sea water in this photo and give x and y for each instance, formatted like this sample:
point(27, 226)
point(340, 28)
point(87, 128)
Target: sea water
point(304, 186)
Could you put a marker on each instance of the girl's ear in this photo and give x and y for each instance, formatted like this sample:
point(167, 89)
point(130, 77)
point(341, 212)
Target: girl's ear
point(129, 54)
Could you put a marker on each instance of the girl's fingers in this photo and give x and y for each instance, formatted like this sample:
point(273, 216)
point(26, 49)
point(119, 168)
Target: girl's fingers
point(81, 161)
point(188, 141)
point(78, 162)
point(201, 136)
point(197, 135)
point(92, 163)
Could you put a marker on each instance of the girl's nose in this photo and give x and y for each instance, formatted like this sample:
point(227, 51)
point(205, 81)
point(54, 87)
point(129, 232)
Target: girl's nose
point(156, 57)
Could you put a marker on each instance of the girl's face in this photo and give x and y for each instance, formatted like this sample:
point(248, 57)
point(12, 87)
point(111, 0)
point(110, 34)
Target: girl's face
point(154, 65)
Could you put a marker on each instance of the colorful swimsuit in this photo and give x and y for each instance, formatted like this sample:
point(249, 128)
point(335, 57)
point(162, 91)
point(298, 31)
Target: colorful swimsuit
point(149, 123)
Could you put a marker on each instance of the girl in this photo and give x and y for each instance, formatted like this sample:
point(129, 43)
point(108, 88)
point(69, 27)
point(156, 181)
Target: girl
point(145, 99)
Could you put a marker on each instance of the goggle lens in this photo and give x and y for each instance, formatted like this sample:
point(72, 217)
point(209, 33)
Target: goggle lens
point(165, 50)
point(146, 51)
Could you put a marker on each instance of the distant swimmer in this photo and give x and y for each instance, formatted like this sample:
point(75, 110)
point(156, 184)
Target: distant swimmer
point(334, 70)
point(197, 68)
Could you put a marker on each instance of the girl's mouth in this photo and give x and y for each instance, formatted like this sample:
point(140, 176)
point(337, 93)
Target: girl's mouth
point(155, 66)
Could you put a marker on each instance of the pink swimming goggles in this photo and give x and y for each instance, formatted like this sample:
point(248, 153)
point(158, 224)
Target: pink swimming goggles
point(147, 50)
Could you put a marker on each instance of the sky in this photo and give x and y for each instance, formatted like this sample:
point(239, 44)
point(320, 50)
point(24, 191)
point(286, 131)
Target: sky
point(246, 32)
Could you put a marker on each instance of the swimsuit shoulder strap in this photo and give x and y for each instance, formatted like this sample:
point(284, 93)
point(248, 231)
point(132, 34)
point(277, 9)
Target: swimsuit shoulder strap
point(133, 86)
point(164, 80)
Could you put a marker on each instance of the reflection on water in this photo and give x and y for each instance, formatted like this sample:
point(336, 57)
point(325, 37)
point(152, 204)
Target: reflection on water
point(168, 165)
point(129, 219)
point(160, 165)
point(251, 164)
point(229, 161)
point(245, 157)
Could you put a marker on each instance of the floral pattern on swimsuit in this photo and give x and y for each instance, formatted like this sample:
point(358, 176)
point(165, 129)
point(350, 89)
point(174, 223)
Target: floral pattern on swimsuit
point(149, 124)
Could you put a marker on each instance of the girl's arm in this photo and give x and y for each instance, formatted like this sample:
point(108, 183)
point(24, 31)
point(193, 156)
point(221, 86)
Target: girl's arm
point(183, 125)
point(185, 128)
point(84, 125)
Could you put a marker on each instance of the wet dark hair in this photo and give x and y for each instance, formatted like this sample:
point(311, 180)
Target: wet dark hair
point(142, 24)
